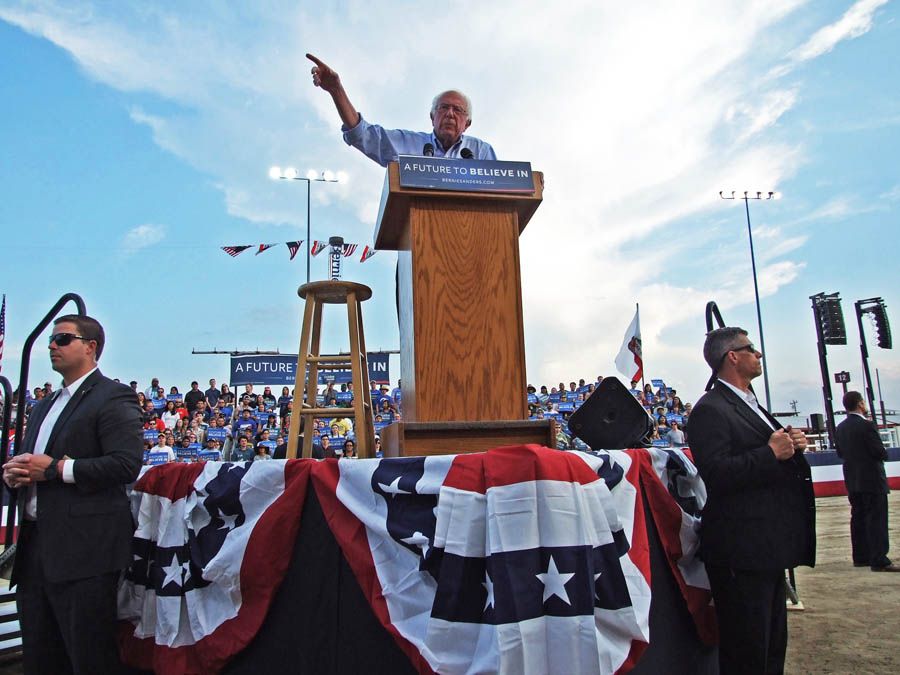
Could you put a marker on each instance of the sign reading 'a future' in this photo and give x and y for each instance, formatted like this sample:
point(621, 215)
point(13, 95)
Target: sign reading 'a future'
point(470, 175)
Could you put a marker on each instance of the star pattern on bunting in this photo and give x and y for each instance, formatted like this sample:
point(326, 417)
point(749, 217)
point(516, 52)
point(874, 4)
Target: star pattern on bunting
point(176, 572)
point(418, 539)
point(394, 487)
point(489, 587)
point(555, 582)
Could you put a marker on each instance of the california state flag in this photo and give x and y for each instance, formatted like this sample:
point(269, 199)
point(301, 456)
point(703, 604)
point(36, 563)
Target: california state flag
point(630, 361)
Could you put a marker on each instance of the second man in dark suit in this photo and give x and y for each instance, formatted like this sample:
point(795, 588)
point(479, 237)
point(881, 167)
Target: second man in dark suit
point(863, 453)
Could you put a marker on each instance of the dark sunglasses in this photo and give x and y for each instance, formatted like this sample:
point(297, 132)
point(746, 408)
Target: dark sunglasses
point(745, 348)
point(63, 339)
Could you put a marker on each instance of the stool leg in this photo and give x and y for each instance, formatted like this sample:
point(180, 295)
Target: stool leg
point(367, 387)
point(356, 362)
point(312, 382)
point(300, 377)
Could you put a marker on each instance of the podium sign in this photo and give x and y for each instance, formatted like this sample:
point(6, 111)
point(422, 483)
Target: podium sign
point(465, 175)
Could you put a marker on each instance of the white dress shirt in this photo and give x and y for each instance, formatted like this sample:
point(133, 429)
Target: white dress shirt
point(748, 398)
point(60, 400)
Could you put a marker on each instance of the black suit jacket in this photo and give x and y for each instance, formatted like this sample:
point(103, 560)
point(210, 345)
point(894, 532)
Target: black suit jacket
point(86, 527)
point(760, 512)
point(860, 446)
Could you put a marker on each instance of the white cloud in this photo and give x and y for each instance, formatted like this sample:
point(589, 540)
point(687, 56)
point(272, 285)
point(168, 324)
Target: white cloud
point(142, 236)
point(855, 22)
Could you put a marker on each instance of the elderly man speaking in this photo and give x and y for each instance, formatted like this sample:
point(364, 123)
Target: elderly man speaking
point(451, 115)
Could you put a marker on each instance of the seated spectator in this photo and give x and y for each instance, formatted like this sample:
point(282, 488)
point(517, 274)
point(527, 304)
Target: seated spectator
point(262, 452)
point(154, 423)
point(243, 452)
point(249, 398)
point(343, 424)
point(245, 422)
point(675, 436)
point(331, 402)
point(284, 400)
point(323, 449)
point(170, 415)
point(349, 450)
point(161, 446)
point(268, 398)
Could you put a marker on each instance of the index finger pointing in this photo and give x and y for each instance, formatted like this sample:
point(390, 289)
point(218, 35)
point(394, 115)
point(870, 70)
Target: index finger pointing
point(316, 61)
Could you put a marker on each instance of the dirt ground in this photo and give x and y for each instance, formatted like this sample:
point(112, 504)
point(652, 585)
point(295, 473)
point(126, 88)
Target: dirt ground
point(851, 616)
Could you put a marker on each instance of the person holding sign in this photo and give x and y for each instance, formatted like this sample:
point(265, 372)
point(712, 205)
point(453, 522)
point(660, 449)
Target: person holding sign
point(451, 115)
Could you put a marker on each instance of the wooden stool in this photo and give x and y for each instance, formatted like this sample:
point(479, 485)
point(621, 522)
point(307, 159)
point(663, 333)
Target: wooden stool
point(319, 293)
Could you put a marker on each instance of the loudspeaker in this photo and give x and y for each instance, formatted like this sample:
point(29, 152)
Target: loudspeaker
point(611, 418)
point(817, 422)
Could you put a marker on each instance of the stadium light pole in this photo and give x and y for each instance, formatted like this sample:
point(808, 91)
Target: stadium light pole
point(290, 173)
point(747, 196)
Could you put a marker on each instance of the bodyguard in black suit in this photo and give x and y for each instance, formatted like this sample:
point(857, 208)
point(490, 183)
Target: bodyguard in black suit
point(759, 517)
point(81, 448)
point(863, 453)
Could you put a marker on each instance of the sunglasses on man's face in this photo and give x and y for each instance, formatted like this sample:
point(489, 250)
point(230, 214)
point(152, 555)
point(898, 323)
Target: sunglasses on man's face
point(63, 339)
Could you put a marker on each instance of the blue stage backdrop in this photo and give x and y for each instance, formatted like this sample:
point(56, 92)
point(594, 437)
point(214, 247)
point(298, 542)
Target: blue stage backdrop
point(279, 370)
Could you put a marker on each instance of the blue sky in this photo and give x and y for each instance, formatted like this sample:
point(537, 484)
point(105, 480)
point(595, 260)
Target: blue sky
point(136, 140)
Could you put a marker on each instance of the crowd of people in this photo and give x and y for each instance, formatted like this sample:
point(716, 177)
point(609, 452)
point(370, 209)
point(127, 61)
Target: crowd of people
point(217, 423)
point(668, 413)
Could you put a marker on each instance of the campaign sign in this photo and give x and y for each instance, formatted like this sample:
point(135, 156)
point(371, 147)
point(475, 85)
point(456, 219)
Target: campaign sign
point(532, 398)
point(566, 406)
point(209, 456)
point(280, 370)
point(661, 443)
point(217, 433)
point(344, 396)
point(174, 397)
point(469, 175)
point(674, 417)
point(155, 458)
point(659, 384)
point(151, 435)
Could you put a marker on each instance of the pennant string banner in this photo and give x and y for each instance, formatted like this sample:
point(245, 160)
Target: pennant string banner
point(294, 247)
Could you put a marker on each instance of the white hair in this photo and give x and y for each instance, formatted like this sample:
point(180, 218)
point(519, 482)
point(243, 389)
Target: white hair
point(434, 102)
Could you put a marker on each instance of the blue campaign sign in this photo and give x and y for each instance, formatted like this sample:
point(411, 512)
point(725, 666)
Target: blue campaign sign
point(661, 443)
point(280, 370)
point(174, 397)
point(469, 175)
point(554, 398)
point(566, 406)
point(209, 456)
point(269, 444)
point(155, 458)
point(658, 383)
point(217, 433)
point(344, 396)
point(674, 417)
point(151, 435)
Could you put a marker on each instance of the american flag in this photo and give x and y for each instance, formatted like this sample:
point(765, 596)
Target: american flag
point(293, 247)
point(367, 253)
point(264, 247)
point(2, 329)
point(519, 559)
point(235, 251)
point(318, 247)
point(349, 249)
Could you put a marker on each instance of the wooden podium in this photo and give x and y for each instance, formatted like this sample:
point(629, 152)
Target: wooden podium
point(462, 347)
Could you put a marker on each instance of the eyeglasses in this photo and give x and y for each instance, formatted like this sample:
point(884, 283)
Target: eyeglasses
point(447, 107)
point(63, 339)
point(745, 348)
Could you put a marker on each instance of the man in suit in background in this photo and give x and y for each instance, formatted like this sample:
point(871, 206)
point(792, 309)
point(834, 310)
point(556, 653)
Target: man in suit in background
point(82, 447)
point(863, 453)
point(759, 517)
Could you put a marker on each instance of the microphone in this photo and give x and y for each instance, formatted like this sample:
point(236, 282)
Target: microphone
point(428, 150)
point(465, 153)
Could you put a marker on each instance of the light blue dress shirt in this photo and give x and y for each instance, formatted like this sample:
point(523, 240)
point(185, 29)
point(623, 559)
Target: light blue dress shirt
point(385, 145)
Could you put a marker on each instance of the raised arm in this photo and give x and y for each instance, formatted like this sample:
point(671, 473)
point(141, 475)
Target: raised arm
point(330, 81)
